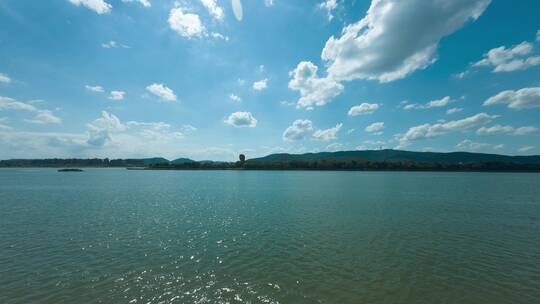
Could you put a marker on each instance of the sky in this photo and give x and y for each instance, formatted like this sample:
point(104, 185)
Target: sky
point(209, 79)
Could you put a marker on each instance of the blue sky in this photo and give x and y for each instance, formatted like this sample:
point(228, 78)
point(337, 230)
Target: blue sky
point(209, 79)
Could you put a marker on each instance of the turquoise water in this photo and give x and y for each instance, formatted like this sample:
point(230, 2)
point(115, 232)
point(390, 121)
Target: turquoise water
point(118, 236)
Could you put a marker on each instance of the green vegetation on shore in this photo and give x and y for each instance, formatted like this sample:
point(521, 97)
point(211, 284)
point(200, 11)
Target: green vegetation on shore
point(393, 160)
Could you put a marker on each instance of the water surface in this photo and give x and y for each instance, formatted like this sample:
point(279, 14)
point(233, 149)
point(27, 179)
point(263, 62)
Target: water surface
point(118, 236)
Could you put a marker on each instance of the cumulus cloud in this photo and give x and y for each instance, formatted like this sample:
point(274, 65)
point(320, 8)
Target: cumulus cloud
point(396, 38)
point(100, 130)
point(299, 130)
point(302, 129)
point(235, 98)
point(4, 78)
point(96, 89)
point(375, 127)
point(98, 6)
point(44, 117)
point(499, 129)
point(437, 103)
point(106, 136)
point(41, 116)
point(213, 8)
point(162, 91)
point(314, 90)
point(241, 120)
point(432, 130)
point(454, 110)
point(504, 59)
point(469, 145)
point(107, 121)
point(526, 98)
point(363, 109)
point(260, 85)
point(145, 3)
point(117, 95)
point(187, 25)
point(109, 128)
point(329, 6)
point(7, 103)
point(328, 134)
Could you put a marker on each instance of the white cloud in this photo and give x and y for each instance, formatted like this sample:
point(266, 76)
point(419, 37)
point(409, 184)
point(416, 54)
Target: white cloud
point(299, 130)
point(7, 103)
point(437, 103)
point(240, 81)
point(433, 130)
point(219, 36)
point(107, 121)
point(106, 136)
point(269, 3)
point(454, 110)
point(241, 120)
point(117, 95)
point(145, 3)
point(499, 129)
point(235, 98)
point(504, 59)
point(113, 45)
point(363, 109)
point(44, 117)
point(237, 9)
point(98, 6)
point(162, 91)
point(526, 98)
point(151, 125)
point(469, 145)
point(329, 6)
point(109, 128)
point(396, 38)
point(4, 78)
point(213, 8)
point(375, 127)
point(188, 129)
point(186, 24)
point(328, 134)
point(334, 147)
point(260, 85)
point(97, 89)
point(41, 116)
point(314, 90)
point(526, 149)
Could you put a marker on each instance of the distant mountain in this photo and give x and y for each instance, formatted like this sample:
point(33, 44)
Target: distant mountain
point(181, 161)
point(155, 160)
point(389, 155)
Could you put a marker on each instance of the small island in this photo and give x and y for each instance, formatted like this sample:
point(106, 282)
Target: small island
point(70, 170)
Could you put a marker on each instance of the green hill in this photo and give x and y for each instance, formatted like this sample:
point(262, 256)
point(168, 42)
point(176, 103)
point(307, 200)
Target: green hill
point(389, 155)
